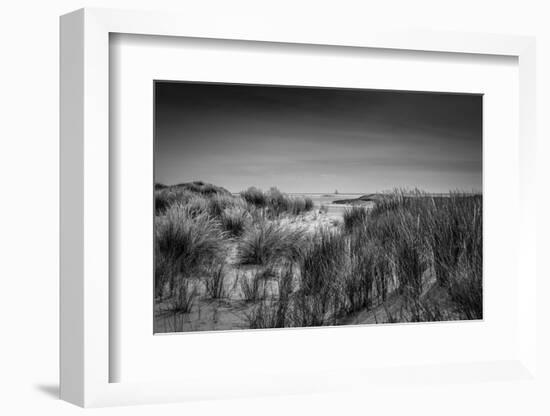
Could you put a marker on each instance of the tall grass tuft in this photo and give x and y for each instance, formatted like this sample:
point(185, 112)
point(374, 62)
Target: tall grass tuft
point(197, 206)
point(263, 315)
point(267, 242)
point(465, 290)
point(274, 203)
point(253, 287)
point(275, 312)
point(358, 282)
point(466, 283)
point(443, 234)
point(298, 205)
point(203, 188)
point(279, 203)
point(164, 272)
point(166, 196)
point(185, 297)
point(215, 280)
point(255, 197)
point(354, 217)
point(285, 289)
point(217, 204)
point(235, 220)
point(318, 299)
point(186, 243)
point(453, 228)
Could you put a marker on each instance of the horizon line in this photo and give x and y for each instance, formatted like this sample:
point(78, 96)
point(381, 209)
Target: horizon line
point(385, 191)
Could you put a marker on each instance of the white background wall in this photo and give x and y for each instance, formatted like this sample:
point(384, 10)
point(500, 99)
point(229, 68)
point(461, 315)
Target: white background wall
point(29, 202)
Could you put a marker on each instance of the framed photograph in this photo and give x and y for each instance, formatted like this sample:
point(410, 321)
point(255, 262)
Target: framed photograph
point(338, 246)
point(328, 207)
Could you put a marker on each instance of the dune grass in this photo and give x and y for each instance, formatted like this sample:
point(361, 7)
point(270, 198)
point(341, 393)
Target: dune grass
point(185, 243)
point(275, 203)
point(394, 248)
point(269, 242)
point(215, 280)
point(235, 220)
point(264, 315)
point(186, 295)
point(164, 197)
point(405, 245)
point(255, 197)
point(183, 193)
point(443, 234)
point(358, 282)
point(253, 287)
point(202, 188)
point(354, 217)
point(275, 311)
point(322, 268)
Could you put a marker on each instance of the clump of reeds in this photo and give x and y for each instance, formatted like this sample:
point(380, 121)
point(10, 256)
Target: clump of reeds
point(409, 252)
point(214, 206)
point(215, 280)
point(185, 243)
point(218, 204)
point(254, 196)
point(279, 203)
point(443, 234)
point(454, 228)
point(185, 296)
point(285, 289)
point(197, 205)
point(266, 242)
point(164, 272)
point(253, 286)
point(354, 217)
point(263, 315)
point(465, 286)
point(274, 203)
point(358, 281)
point(235, 220)
point(275, 312)
point(166, 196)
point(203, 188)
point(423, 310)
point(318, 299)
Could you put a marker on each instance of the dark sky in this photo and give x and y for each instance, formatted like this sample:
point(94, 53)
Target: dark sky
point(316, 140)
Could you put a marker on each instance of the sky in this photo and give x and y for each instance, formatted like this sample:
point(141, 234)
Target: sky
point(317, 140)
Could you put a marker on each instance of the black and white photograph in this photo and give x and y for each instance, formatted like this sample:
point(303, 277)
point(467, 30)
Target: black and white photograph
point(290, 207)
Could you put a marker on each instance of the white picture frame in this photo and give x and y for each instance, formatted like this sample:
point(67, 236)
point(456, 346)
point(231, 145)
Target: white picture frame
point(85, 164)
